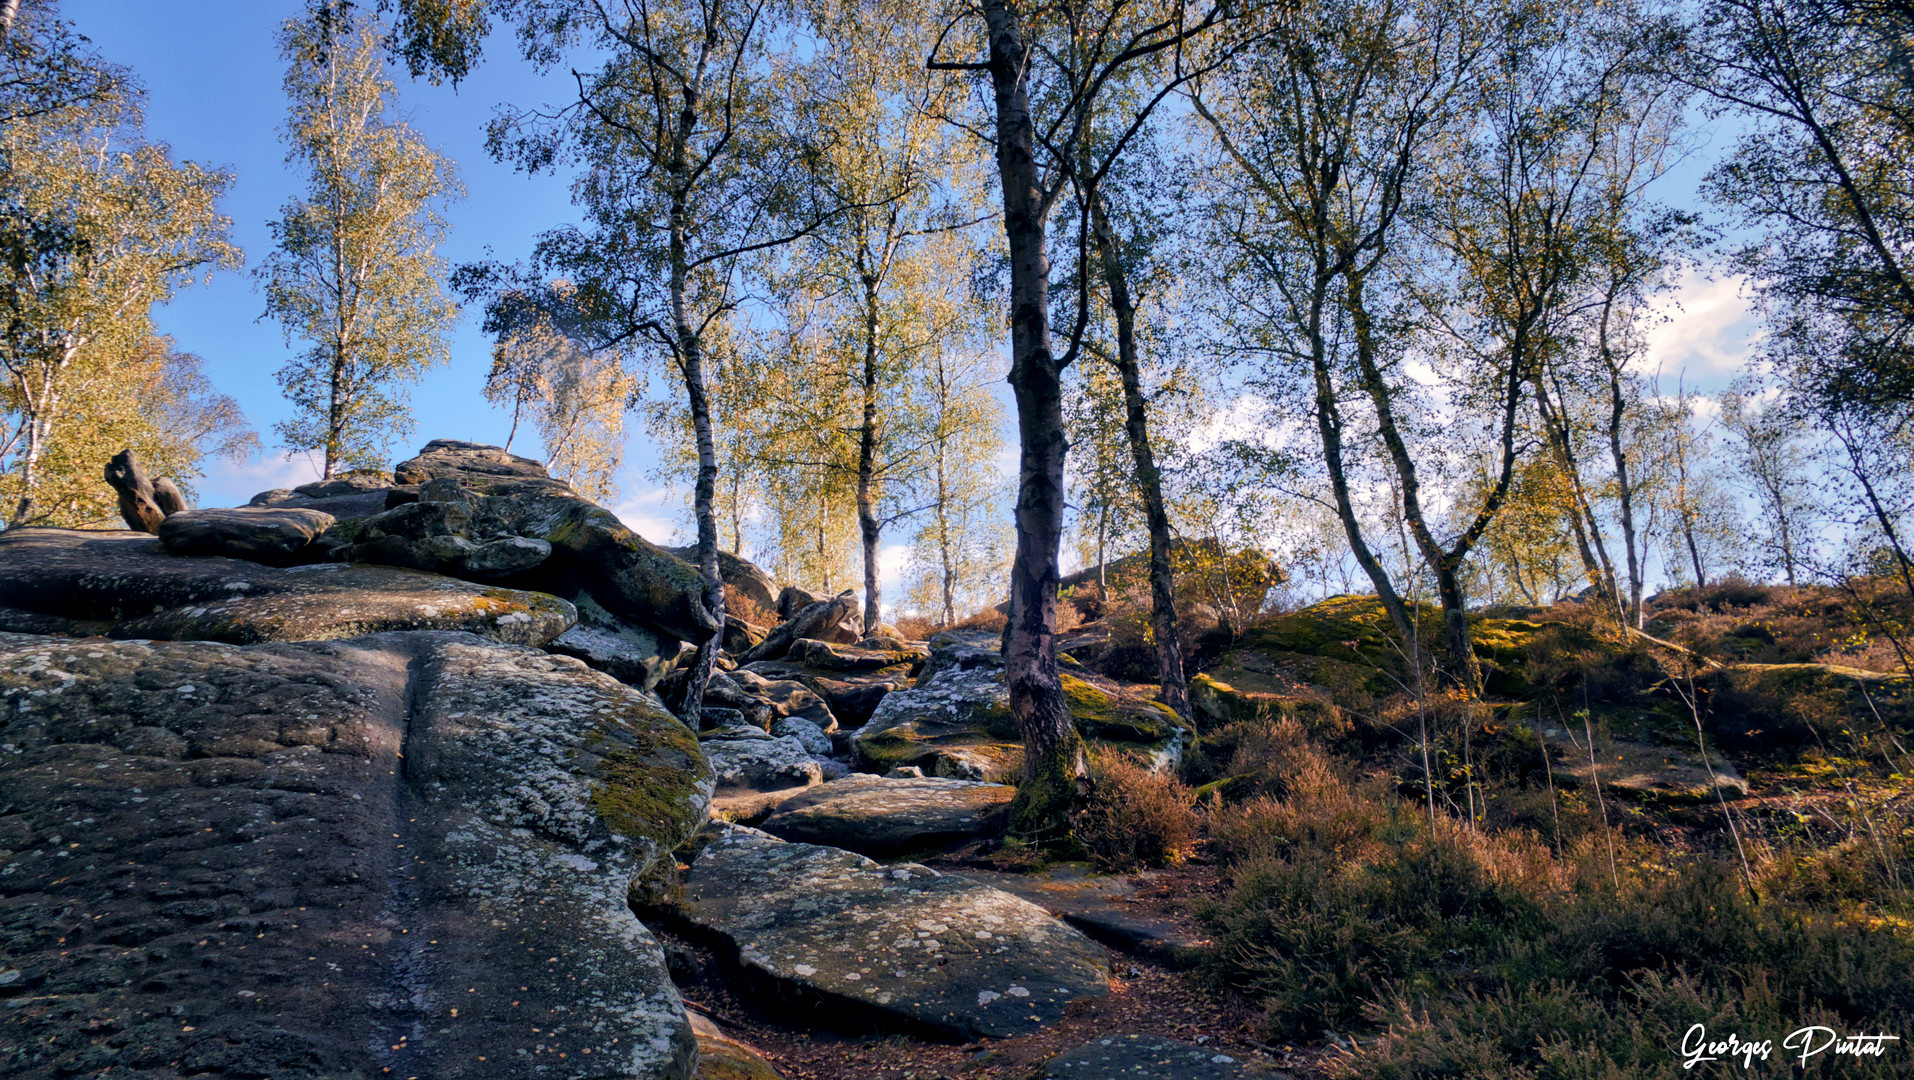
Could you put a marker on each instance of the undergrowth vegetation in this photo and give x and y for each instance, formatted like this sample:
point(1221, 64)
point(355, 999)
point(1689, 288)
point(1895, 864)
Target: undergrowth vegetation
point(1426, 883)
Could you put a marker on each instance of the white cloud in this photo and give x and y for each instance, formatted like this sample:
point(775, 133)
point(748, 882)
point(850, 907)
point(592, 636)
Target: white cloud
point(1246, 418)
point(230, 483)
point(651, 515)
point(1708, 331)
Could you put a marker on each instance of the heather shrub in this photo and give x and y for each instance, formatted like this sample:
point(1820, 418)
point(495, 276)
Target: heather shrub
point(1135, 817)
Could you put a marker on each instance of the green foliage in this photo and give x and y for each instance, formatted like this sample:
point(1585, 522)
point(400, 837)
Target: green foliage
point(355, 272)
point(1821, 171)
point(96, 226)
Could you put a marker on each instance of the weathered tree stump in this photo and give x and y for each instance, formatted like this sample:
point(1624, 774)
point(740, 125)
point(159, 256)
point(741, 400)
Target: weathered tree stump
point(137, 503)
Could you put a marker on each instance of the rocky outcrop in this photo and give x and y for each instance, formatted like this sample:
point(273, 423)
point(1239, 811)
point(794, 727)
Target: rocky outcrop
point(487, 470)
point(747, 758)
point(125, 585)
point(828, 656)
point(354, 495)
point(400, 855)
point(882, 818)
point(903, 947)
point(850, 697)
point(630, 652)
point(743, 577)
point(956, 721)
point(826, 620)
point(268, 534)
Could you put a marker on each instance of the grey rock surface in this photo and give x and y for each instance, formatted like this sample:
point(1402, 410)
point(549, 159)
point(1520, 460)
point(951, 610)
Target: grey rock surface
point(792, 599)
point(806, 732)
point(632, 653)
point(819, 621)
point(1149, 1057)
point(761, 764)
point(883, 817)
point(400, 855)
point(834, 657)
point(270, 534)
point(348, 507)
point(958, 723)
point(354, 483)
point(902, 946)
point(486, 469)
point(125, 585)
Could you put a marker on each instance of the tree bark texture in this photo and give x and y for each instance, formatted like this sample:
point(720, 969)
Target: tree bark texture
point(1149, 479)
point(690, 355)
point(1055, 770)
point(868, 528)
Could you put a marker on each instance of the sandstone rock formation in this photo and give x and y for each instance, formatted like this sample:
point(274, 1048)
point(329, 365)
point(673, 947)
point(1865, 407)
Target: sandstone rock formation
point(902, 946)
point(399, 855)
point(883, 818)
point(125, 585)
point(269, 534)
point(956, 721)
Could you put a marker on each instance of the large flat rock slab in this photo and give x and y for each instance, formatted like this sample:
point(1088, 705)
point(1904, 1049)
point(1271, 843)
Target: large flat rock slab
point(402, 855)
point(1150, 1057)
point(259, 533)
point(1094, 904)
point(882, 817)
point(126, 585)
point(900, 946)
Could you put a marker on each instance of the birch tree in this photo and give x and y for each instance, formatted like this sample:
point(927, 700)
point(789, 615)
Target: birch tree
point(896, 168)
point(355, 272)
point(574, 398)
point(692, 159)
point(1046, 67)
point(99, 226)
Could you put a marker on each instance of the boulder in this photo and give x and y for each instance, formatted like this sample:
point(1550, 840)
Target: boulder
point(349, 507)
point(125, 585)
point(833, 657)
point(880, 817)
point(813, 737)
point(744, 578)
point(505, 557)
point(958, 724)
point(792, 600)
point(632, 653)
point(739, 636)
point(1098, 905)
point(961, 650)
point(486, 469)
point(720, 723)
point(358, 482)
point(1150, 1057)
point(268, 534)
point(761, 764)
point(627, 575)
point(390, 856)
point(787, 697)
point(899, 947)
point(817, 621)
